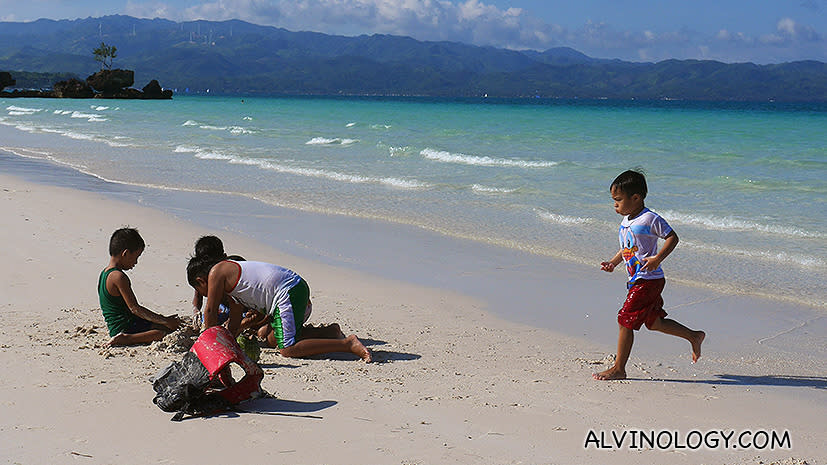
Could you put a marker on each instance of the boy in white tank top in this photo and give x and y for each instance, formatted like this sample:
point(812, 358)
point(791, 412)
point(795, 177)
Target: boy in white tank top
point(273, 291)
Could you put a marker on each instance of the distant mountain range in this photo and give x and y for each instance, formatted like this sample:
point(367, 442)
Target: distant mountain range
point(235, 57)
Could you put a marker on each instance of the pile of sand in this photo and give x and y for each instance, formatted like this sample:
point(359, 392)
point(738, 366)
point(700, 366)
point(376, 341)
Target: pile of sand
point(178, 341)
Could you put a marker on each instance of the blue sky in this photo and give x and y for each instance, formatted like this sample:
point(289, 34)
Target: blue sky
point(762, 31)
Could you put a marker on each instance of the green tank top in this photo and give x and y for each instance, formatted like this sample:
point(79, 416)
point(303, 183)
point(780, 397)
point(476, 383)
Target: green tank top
point(115, 312)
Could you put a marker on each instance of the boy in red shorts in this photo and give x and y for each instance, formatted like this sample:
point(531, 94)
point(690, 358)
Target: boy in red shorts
point(639, 233)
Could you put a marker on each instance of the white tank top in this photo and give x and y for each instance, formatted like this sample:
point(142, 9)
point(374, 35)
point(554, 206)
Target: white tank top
point(261, 286)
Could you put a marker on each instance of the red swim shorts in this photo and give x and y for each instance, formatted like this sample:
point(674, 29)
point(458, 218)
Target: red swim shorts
point(644, 304)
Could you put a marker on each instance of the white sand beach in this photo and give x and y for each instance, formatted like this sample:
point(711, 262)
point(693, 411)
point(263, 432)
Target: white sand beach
point(452, 383)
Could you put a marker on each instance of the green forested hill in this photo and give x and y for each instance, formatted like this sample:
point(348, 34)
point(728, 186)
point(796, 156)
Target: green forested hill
point(239, 57)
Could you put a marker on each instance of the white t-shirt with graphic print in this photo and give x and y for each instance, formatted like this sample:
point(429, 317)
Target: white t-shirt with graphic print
point(639, 239)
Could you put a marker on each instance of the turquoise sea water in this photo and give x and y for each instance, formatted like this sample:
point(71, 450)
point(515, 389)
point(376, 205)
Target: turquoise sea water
point(744, 185)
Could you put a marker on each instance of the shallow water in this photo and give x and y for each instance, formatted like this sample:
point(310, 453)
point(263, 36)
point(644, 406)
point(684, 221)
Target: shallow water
point(743, 184)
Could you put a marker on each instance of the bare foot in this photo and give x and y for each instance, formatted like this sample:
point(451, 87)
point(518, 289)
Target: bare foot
point(696, 345)
point(117, 340)
point(610, 374)
point(358, 348)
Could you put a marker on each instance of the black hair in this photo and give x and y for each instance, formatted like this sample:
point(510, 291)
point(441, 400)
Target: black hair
point(630, 183)
point(125, 239)
point(209, 246)
point(199, 266)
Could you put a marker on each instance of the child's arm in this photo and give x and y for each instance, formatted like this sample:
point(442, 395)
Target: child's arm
point(216, 290)
point(124, 287)
point(669, 244)
point(611, 264)
point(234, 322)
point(197, 301)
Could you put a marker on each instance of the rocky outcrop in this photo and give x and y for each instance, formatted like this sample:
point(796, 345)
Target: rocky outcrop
point(153, 90)
point(6, 80)
point(126, 93)
point(29, 93)
point(73, 88)
point(109, 81)
point(115, 83)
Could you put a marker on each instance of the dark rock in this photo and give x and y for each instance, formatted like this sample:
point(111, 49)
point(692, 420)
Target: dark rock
point(6, 80)
point(128, 93)
point(73, 88)
point(111, 80)
point(109, 84)
point(18, 93)
point(153, 90)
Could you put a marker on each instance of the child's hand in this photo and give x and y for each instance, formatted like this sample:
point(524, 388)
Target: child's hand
point(173, 322)
point(650, 264)
point(607, 266)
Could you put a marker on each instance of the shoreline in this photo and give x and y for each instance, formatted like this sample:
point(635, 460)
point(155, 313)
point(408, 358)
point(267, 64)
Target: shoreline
point(714, 257)
point(481, 271)
point(453, 383)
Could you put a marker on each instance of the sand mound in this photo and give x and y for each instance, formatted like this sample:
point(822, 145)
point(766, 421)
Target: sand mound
point(178, 341)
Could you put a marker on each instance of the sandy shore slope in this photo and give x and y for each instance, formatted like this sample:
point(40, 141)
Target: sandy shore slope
point(451, 383)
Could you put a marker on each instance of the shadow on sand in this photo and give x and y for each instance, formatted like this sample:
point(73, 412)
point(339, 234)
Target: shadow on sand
point(379, 356)
point(817, 382)
point(273, 406)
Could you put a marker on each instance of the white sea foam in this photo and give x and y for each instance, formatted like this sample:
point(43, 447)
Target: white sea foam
point(186, 149)
point(491, 190)
point(461, 158)
point(327, 141)
point(78, 135)
point(209, 127)
point(26, 152)
point(800, 260)
point(247, 118)
point(62, 112)
point(120, 141)
point(240, 130)
point(313, 172)
point(98, 108)
point(380, 126)
point(113, 143)
point(15, 110)
point(350, 125)
point(210, 155)
point(25, 127)
point(729, 223)
point(91, 117)
point(399, 151)
point(561, 219)
point(213, 128)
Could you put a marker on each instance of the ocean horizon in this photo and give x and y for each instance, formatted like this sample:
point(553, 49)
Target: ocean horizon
point(743, 184)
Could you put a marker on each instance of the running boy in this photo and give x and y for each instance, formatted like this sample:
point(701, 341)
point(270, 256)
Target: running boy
point(270, 290)
point(129, 323)
point(639, 233)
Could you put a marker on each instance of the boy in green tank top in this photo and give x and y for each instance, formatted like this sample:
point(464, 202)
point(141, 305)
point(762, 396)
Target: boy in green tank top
point(128, 321)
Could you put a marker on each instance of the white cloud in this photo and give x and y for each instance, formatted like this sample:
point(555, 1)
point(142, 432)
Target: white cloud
point(481, 23)
point(150, 10)
point(786, 26)
point(471, 21)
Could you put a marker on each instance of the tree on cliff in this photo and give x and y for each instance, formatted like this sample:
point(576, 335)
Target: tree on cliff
point(105, 54)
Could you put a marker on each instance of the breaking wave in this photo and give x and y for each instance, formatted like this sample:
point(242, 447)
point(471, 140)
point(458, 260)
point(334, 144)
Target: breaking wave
point(461, 158)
